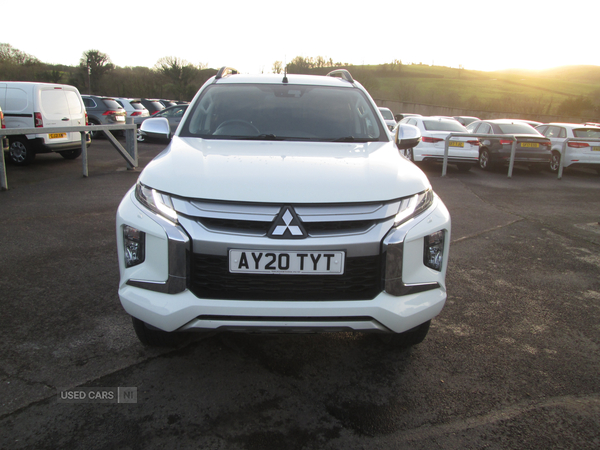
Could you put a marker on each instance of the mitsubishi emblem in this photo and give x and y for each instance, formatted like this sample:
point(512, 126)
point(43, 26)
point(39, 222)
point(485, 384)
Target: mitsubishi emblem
point(287, 225)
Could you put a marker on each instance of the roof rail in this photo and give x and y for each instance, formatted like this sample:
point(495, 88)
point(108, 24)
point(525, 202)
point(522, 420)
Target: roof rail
point(224, 71)
point(342, 73)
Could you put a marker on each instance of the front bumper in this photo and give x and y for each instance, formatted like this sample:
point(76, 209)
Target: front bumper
point(157, 291)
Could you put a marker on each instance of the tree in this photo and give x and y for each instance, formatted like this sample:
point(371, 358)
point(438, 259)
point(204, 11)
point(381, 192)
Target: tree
point(93, 65)
point(9, 54)
point(277, 67)
point(178, 72)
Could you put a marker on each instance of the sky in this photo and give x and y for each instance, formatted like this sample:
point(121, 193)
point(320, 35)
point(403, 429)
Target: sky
point(251, 35)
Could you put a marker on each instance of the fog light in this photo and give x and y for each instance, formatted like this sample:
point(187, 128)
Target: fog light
point(134, 242)
point(433, 253)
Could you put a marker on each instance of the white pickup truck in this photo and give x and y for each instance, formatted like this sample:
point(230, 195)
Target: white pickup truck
point(282, 204)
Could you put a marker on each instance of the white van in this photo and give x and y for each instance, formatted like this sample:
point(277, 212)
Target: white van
point(33, 105)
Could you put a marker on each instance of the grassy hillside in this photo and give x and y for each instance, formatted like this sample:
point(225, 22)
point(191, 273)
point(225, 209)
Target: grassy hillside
point(541, 92)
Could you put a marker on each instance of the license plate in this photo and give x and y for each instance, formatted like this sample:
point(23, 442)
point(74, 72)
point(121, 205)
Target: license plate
point(456, 144)
point(596, 149)
point(57, 135)
point(286, 263)
point(530, 144)
point(120, 118)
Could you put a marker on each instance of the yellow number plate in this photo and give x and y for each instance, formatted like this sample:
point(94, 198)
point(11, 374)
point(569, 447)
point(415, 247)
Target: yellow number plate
point(530, 144)
point(57, 135)
point(596, 149)
point(456, 144)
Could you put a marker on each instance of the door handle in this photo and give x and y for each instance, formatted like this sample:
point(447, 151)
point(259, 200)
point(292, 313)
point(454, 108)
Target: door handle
point(65, 119)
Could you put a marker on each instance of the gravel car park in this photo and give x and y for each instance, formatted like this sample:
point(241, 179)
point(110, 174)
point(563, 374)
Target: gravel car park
point(510, 363)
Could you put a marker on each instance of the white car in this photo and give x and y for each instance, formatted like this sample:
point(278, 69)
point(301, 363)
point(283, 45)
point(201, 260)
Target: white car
point(134, 108)
point(388, 116)
point(282, 204)
point(581, 153)
point(462, 151)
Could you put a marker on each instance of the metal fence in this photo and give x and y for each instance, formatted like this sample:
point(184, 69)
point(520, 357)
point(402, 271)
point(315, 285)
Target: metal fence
point(129, 152)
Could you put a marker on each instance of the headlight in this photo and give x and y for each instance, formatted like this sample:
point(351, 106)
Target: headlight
point(156, 201)
point(413, 206)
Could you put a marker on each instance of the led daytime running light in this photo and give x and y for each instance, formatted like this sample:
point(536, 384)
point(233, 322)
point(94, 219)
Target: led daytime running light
point(413, 206)
point(156, 201)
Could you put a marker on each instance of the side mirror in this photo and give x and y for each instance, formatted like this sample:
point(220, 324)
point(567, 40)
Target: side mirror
point(407, 136)
point(156, 128)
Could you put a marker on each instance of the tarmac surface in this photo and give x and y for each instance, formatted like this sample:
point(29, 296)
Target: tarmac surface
point(511, 362)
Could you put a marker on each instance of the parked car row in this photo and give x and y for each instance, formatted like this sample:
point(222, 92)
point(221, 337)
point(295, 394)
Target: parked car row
point(538, 145)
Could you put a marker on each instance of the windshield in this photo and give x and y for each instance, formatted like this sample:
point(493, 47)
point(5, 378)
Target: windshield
point(283, 112)
point(443, 125)
point(517, 128)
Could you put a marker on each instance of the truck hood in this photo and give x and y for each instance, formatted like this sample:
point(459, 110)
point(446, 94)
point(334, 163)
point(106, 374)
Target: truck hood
point(283, 172)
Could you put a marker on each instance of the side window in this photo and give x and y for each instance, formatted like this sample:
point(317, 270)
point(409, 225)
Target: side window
point(552, 132)
point(542, 129)
point(472, 127)
point(88, 102)
point(484, 128)
point(562, 133)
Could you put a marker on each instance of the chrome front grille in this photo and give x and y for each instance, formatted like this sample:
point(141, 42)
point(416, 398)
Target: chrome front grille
point(256, 219)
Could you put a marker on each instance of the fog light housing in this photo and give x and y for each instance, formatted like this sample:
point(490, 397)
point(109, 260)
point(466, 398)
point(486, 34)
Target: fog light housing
point(134, 242)
point(433, 252)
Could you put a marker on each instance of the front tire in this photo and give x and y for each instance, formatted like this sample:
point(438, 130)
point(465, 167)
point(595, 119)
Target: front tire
point(153, 337)
point(71, 154)
point(409, 338)
point(20, 152)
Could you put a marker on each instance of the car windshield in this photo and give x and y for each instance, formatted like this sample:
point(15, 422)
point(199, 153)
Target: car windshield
point(443, 125)
point(517, 128)
point(283, 112)
point(590, 133)
point(387, 114)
